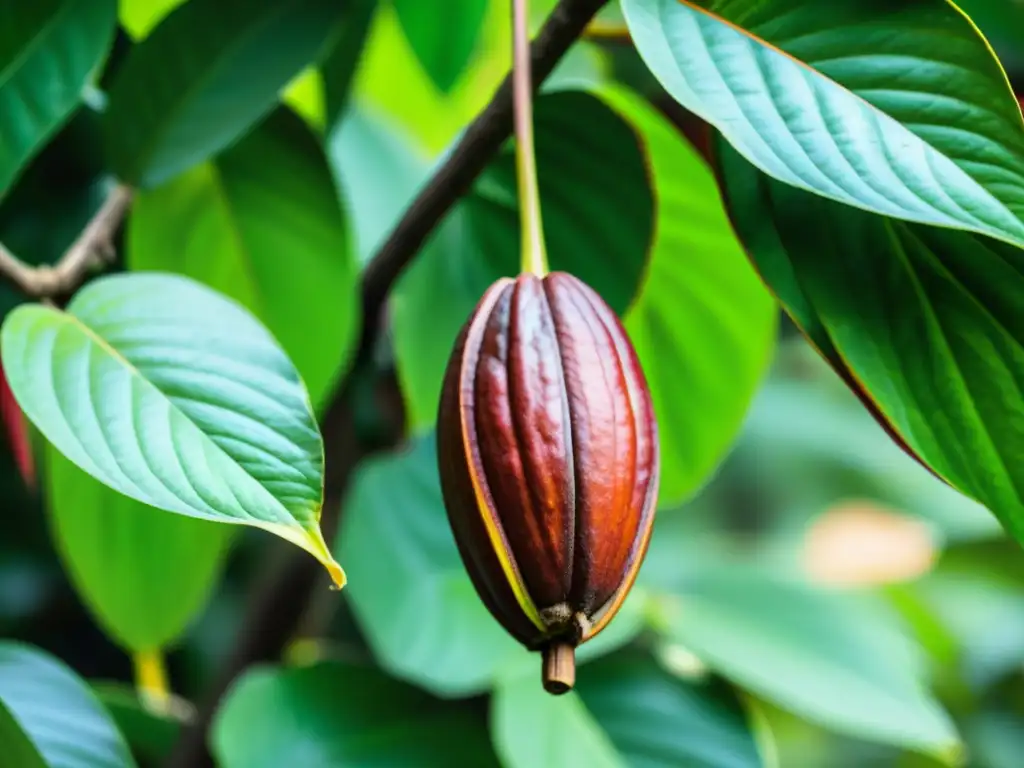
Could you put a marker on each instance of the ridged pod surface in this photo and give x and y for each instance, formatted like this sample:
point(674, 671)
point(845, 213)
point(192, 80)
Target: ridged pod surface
point(548, 456)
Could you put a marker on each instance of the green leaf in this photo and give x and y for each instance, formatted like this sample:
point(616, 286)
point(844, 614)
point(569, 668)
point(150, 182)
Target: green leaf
point(926, 319)
point(60, 714)
point(703, 325)
point(900, 110)
point(262, 224)
point(598, 223)
point(208, 72)
point(626, 711)
point(443, 41)
point(839, 659)
point(406, 572)
point(176, 397)
point(49, 52)
point(15, 745)
point(139, 17)
point(143, 574)
point(335, 714)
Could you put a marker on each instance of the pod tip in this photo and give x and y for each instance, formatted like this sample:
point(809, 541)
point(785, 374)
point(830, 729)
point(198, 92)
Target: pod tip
point(559, 669)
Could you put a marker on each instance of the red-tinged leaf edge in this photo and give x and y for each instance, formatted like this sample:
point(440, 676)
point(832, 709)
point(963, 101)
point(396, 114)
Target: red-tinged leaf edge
point(16, 427)
point(710, 140)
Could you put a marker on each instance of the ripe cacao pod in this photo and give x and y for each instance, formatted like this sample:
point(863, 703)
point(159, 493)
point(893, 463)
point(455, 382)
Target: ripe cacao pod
point(548, 456)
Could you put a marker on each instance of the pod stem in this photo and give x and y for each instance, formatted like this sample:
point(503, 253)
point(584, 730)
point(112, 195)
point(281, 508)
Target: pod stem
point(151, 679)
point(559, 671)
point(534, 255)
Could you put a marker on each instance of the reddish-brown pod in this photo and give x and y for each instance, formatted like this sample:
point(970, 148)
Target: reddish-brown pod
point(548, 456)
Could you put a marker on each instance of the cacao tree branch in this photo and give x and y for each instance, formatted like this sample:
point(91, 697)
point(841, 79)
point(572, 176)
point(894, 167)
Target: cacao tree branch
point(279, 604)
point(95, 245)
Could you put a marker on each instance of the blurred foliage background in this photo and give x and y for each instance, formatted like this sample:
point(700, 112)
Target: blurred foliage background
point(821, 602)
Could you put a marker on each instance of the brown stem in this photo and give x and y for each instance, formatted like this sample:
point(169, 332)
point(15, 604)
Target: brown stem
point(95, 245)
point(559, 670)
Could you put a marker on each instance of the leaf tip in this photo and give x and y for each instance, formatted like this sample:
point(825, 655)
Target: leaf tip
point(320, 550)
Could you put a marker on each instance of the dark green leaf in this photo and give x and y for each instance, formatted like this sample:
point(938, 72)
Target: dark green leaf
point(598, 220)
point(144, 574)
point(443, 37)
point(406, 572)
point(209, 71)
point(839, 659)
point(61, 716)
point(926, 319)
point(49, 52)
point(176, 397)
point(15, 745)
point(150, 735)
point(900, 109)
point(262, 224)
point(332, 715)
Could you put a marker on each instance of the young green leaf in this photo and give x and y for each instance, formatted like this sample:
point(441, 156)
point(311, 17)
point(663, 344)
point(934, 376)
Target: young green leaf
point(144, 574)
point(176, 397)
point(49, 51)
point(443, 37)
point(626, 711)
point(836, 659)
point(335, 714)
point(598, 221)
point(64, 722)
point(209, 71)
point(229, 223)
point(926, 319)
point(904, 112)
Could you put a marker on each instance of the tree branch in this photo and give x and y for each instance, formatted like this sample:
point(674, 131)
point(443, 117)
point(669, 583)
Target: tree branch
point(277, 610)
point(95, 245)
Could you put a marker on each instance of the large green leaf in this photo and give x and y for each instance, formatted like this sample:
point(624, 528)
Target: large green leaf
point(703, 324)
point(56, 710)
point(262, 223)
point(598, 222)
point(49, 51)
point(406, 572)
point(333, 714)
point(15, 745)
point(177, 397)
point(143, 573)
point(926, 319)
point(199, 80)
point(443, 42)
point(900, 109)
point(834, 658)
point(627, 712)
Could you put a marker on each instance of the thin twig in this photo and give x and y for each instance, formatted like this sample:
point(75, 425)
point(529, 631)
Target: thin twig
point(94, 246)
point(280, 603)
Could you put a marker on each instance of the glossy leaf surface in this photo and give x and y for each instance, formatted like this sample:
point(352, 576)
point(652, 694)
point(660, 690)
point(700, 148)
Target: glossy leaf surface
point(49, 51)
point(335, 714)
point(176, 397)
point(62, 718)
point(901, 110)
point(925, 319)
point(209, 71)
point(143, 573)
point(262, 224)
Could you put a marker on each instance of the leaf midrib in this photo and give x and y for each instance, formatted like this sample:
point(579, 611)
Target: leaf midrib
point(816, 73)
point(26, 51)
point(77, 322)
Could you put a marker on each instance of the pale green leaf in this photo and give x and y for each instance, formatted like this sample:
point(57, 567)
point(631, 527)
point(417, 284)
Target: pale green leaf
point(58, 712)
point(176, 397)
point(900, 109)
point(50, 50)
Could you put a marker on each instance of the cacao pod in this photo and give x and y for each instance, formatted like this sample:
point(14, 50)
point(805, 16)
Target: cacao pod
point(548, 456)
